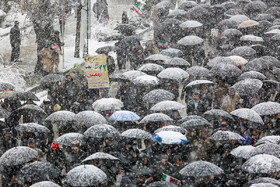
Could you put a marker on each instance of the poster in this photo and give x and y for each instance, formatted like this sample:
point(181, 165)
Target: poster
point(97, 71)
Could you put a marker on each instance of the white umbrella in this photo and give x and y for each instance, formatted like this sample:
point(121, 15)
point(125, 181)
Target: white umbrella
point(61, 115)
point(200, 82)
point(267, 108)
point(157, 57)
point(169, 137)
point(191, 24)
point(174, 74)
point(146, 80)
point(252, 38)
point(107, 104)
point(150, 67)
point(248, 114)
point(269, 139)
point(273, 31)
point(190, 40)
point(130, 75)
point(239, 18)
point(242, 151)
point(225, 136)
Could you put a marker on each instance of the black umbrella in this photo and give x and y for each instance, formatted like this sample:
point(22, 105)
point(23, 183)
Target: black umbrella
point(68, 138)
point(201, 169)
point(105, 49)
point(187, 118)
point(198, 12)
point(136, 134)
point(229, 33)
point(274, 11)
point(172, 52)
point(176, 62)
point(38, 171)
point(52, 78)
point(24, 96)
point(247, 86)
point(264, 17)
point(171, 21)
point(198, 83)
point(216, 113)
point(267, 108)
point(90, 118)
point(190, 24)
point(265, 180)
point(6, 86)
point(243, 51)
point(221, 60)
point(102, 131)
point(31, 108)
point(163, 4)
point(156, 117)
point(113, 38)
point(198, 71)
point(225, 71)
point(267, 148)
point(255, 6)
point(272, 60)
point(225, 136)
point(161, 184)
point(247, 114)
point(100, 156)
point(232, 12)
point(62, 115)
point(252, 75)
point(177, 13)
point(229, 4)
point(258, 64)
point(228, 23)
point(125, 27)
point(151, 67)
point(32, 127)
point(187, 4)
point(190, 40)
point(118, 76)
point(45, 184)
point(195, 124)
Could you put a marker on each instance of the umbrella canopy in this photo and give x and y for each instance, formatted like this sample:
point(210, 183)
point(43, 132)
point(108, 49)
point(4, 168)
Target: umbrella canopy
point(124, 115)
point(38, 171)
point(150, 67)
point(273, 32)
point(225, 136)
point(31, 108)
point(158, 95)
point(264, 17)
point(276, 37)
point(171, 22)
point(225, 71)
point(242, 151)
point(32, 127)
point(269, 139)
point(198, 12)
point(201, 169)
point(163, 4)
point(243, 51)
point(45, 184)
point(247, 86)
point(195, 124)
point(18, 155)
point(102, 131)
point(156, 117)
point(187, 118)
point(146, 80)
point(232, 12)
point(199, 83)
point(172, 128)
point(174, 74)
point(263, 185)
point(217, 113)
point(172, 52)
point(264, 180)
point(130, 75)
point(177, 13)
point(105, 49)
point(176, 62)
point(62, 115)
point(157, 57)
point(274, 11)
point(272, 60)
point(190, 24)
point(187, 4)
point(248, 23)
point(258, 64)
point(169, 137)
point(252, 75)
point(267, 108)
point(52, 78)
point(107, 104)
point(229, 33)
point(240, 61)
point(68, 138)
point(267, 148)
point(221, 60)
point(6, 86)
point(161, 184)
point(262, 163)
point(198, 71)
point(118, 76)
point(239, 18)
point(167, 106)
point(90, 118)
point(251, 38)
point(228, 24)
point(248, 114)
point(24, 96)
point(255, 6)
point(137, 134)
point(114, 37)
point(85, 175)
point(125, 27)
point(99, 156)
point(190, 40)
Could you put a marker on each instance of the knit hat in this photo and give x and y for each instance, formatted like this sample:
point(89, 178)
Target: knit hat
point(56, 107)
point(55, 146)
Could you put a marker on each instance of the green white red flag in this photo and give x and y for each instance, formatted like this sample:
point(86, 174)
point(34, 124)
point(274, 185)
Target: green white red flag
point(137, 9)
point(168, 178)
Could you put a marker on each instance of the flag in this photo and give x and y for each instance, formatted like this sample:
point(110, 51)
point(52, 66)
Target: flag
point(167, 178)
point(58, 50)
point(137, 9)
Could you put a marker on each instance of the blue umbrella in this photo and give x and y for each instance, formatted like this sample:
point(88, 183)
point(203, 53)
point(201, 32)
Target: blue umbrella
point(169, 137)
point(124, 115)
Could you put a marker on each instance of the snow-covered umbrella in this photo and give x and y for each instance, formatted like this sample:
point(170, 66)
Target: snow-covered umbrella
point(136, 134)
point(105, 49)
point(62, 115)
point(102, 131)
point(263, 185)
point(243, 51)
point(176, 13)
point(31, 108)
point(251, 38)
point(263, 163)
point(225, 71)
point(146, 80)
point(274, 11)
point(90, 118)
point(247, 86)
point(100, 156)
point(18, 155)
point(201, 169)
point(257, 64)
point(52, 78)
point(273, 32)
point(157, 57)
point(251, 75)
point(130, 75)
point(267, 148)
point(32, 127)
point(187, 4)
point(228, 24)
point(199, 83)
point(255, 6)
point(217, 113)
point(45, 184)
point(197, 12)
point(187, 118)
point(195, 124)
point(161, 184)
point(172, 52)
point(232, 12)
point(172, 128)
point(176, 61)
point(239, 18)
point(248, 114)
point(6, 86)
point(229, 33)
point(229, 4)
point(114, 37)
point(158, 95)
point(274, 61)
point(264, 17)
point(248, 23)
point(118, 76)
point(190, 40)
point(240, 61)
point(269, 139)
point(169, 137)
point(68, 138)
point(125, 27)
point(198, 71)
point(267, 108)
point(85, 175)
point(24, 96)
point(221, 60)
point(190, 24)
point(163, 4)
point(276, 37)
point(124, 115)
point(171, 22)
point(38, 171)
point(225, 136)
point(242, 151)
point(155, 117)
point(167, 106)
point(265, 180)
point(107, 104)
point(174, 74)
point(150, 67)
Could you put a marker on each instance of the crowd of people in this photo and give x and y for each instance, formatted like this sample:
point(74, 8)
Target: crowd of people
point(140, 162)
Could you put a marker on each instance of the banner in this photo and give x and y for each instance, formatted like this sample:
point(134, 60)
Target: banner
point(97, 71)
point(6, 93)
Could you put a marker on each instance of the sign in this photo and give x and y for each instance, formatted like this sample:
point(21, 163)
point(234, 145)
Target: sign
point(97, 71)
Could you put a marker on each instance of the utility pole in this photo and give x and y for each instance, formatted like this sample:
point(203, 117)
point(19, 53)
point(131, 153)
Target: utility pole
point(78, 30)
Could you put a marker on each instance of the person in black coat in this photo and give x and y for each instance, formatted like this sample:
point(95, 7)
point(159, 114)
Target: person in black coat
point(196, 106)
point(15, 41)
point(124, 18)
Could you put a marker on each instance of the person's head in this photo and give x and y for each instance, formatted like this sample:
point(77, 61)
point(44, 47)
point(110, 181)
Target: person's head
point(164, 159)
point(56, 33)
point(17, 23)
point(75, 146)
point(56, 107)
point(196, 96)
point(47, 102)
point(68, 78)
point(224, 125)
point(31, 143)
point(231, 92)
point(178, 160)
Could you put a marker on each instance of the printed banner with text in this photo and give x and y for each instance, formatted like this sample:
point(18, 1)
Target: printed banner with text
point(97, 71)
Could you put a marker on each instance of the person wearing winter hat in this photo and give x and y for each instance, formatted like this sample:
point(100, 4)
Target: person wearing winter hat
point(32, 145)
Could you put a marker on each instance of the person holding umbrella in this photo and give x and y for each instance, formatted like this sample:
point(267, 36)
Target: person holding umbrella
point(229, 102)
point(196, 106)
